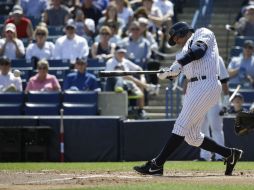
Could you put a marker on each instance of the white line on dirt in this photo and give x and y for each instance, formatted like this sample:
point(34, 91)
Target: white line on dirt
point(82, 177)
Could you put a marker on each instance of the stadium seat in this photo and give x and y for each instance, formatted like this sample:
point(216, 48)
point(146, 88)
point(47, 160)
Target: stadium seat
point(44, 97)
point(56, 30)
point(41, 109)
point(35, 21)
point(58, 63)
point(95, 65)
point(236, 51)
point(25, 67)
point(11, 103)
point(21, 63)
point(59, 72)
point(79, 109)
point(239, 40)
point(80, 103)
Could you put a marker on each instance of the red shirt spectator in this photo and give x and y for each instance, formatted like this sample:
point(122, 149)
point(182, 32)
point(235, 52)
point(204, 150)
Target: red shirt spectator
point(23, 25)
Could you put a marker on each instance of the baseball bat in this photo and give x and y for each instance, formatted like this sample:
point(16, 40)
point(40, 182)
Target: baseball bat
point(124, 73)
point(234, 93)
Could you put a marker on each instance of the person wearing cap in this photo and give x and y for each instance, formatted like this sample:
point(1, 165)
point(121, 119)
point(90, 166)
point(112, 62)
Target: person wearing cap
point(23, 25)
point(11, 46)
point(245, 25)
point(8, 80)
point(43, 81)
point(237, 104)
point(41, 49)
point(119, 61)
point(80, 79)
point(241, 68)
point(138, 48)
point(57, 14)
point(103, 49)
point(71, 45)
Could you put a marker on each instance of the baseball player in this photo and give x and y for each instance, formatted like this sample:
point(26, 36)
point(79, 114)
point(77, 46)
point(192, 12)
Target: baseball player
point(199, 61)
point(213, 120)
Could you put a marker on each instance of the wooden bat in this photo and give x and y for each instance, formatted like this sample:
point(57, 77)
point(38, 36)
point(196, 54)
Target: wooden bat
point(235, 92)
point(124, 73)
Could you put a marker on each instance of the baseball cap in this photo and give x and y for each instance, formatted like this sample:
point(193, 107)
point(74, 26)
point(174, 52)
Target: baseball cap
point(248, 43)
point(17, 9)
point(143, 20)
point(10, 27)
point(70, 23)
point(90, 24)
point(119, 48)
point(81, 60)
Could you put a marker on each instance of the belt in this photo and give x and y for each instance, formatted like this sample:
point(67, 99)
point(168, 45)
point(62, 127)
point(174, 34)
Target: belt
point(200, 78)
point(197, 78)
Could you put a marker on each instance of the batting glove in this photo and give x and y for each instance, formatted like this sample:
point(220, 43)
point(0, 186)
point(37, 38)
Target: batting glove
point(171, 72)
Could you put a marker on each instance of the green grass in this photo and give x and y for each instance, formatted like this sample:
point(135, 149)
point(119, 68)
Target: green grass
point(119, 166)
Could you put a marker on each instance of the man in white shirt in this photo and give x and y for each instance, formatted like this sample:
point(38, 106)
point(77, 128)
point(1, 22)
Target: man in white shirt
point(70, 46)
point(11, 46)
point(8, 80)
point(165, 6)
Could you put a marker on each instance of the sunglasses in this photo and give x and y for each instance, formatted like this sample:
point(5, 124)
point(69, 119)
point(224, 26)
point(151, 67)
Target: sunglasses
point(69, 28)
point(104, 33)
point(41, 34)
point(42, 68)
point(134, 29)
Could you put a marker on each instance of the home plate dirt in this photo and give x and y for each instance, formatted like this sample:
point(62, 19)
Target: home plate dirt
point(56, 179)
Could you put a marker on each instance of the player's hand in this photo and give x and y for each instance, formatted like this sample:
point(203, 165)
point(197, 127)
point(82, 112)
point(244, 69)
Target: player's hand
point(171, 72)
point(175, 69)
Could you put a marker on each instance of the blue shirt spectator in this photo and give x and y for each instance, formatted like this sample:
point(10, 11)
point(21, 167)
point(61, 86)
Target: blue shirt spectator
point(80, 80)
point(34, 8)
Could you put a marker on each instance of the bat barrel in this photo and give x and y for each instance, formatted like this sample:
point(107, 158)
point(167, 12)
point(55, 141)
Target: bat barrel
point(124, 73)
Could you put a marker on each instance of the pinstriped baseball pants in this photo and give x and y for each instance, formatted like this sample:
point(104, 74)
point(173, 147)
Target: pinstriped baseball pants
point(200, 97)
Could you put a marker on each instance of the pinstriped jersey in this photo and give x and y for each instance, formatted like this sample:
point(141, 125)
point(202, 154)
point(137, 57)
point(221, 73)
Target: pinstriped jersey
point(208, 65)
point(223, 72)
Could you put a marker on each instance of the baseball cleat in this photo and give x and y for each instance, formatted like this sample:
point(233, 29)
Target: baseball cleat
point(230, 161)
point(149, 168)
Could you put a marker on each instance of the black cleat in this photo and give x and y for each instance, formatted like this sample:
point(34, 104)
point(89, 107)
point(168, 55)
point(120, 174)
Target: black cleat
point(230, 161)
point(149, 168)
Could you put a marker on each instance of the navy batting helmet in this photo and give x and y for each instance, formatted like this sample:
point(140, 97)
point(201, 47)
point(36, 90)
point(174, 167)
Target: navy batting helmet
point(179, 29)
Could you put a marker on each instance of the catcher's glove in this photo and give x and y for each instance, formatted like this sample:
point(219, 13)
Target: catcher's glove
point(244, 123)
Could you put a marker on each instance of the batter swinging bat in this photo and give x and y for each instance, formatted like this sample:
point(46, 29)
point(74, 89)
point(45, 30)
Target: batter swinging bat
point(125, 73)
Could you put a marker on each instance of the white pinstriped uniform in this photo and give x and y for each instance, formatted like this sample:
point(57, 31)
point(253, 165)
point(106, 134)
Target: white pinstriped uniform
point(214, 120)
point(200, 95)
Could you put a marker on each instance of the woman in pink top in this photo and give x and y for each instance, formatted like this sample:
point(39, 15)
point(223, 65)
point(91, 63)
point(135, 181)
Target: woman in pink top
point(43, 81)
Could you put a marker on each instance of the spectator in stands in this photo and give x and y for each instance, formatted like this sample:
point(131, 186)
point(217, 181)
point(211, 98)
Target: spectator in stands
point(81, 80)
point(120, 62)
point(11, 46)
point(71, 45)
point(23, 24)
point(89, 31)
point(33, 8)
point(103, 49)
point(91, 11)
point(146, 34)
point(125, 12)
point(101, 4)
point(43, 81)
point(245, 25)
point(111, 15)
point(57, 15)
point(9, 82)
point(237, 104)
point(115, 36)
point(138, 48)
point(241, 69)
point(166, 7)
point(41, 49)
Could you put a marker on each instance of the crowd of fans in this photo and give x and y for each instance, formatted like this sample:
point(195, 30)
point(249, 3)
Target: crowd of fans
point(121, 33)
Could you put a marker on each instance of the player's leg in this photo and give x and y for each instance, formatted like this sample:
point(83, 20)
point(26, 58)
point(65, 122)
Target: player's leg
point(205, 128)
point(216, 124)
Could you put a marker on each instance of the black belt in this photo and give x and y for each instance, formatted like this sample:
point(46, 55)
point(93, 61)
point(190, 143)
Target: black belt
point(200, 78)
point(197, 78)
